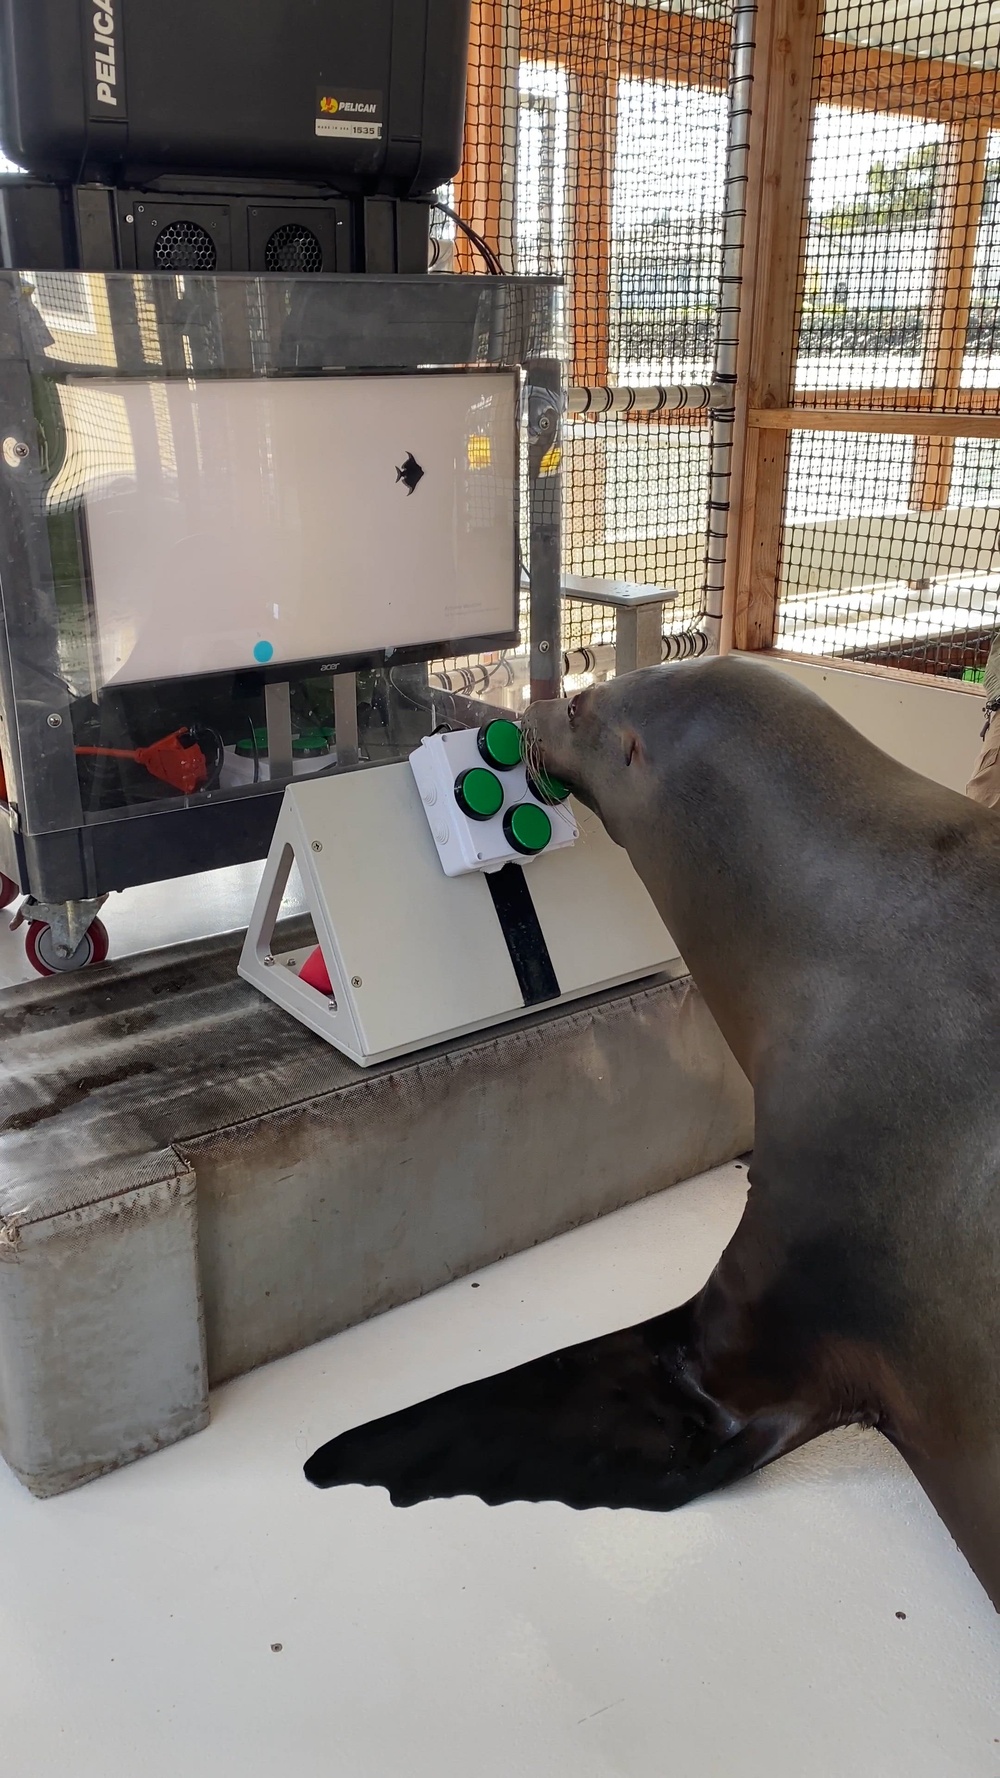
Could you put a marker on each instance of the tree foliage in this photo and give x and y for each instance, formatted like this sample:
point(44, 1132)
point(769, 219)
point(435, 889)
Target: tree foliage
point(900, 194)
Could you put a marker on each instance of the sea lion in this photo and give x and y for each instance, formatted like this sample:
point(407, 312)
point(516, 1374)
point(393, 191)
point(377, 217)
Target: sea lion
point(841, 916)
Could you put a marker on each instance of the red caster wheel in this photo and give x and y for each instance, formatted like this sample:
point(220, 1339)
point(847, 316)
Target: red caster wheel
point(43, 956)
point(9, 890)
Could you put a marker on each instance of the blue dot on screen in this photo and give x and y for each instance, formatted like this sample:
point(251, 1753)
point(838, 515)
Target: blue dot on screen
point(262, 652)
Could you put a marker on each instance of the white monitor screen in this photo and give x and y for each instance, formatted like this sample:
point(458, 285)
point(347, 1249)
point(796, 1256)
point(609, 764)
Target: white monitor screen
point(250, 522)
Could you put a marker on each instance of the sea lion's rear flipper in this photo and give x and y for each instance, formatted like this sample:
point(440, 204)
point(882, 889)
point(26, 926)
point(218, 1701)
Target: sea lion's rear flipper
point(616, 1421)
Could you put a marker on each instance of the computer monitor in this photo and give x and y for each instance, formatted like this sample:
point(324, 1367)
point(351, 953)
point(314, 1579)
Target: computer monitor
point(232, 524)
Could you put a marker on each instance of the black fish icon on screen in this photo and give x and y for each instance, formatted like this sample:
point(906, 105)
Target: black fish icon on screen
point(409, 472)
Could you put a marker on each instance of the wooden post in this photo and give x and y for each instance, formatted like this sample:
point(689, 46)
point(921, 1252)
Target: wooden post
point(783, 80)
point(484, 187)
point(743, 472)
point(595, 36)
point(597, 52)
point(962, 203)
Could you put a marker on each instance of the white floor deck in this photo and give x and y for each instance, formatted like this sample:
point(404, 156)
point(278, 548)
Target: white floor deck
point(206, 1613)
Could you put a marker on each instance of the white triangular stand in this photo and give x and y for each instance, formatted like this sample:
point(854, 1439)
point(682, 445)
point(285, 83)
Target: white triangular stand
point(415, 956)
point(329, 1015)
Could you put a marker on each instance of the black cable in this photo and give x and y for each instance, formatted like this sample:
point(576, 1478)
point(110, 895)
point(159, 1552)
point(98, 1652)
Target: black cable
point(492, 259)
point(214, 749)
point(408, 697)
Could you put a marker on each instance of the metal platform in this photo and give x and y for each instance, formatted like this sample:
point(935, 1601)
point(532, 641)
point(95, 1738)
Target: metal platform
point(192, 1184)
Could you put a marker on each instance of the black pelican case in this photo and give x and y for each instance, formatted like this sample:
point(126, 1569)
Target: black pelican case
point(367, 95)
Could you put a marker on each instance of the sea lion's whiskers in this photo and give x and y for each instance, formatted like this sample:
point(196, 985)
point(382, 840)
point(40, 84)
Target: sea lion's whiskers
point(535, 767)
point(532, 753)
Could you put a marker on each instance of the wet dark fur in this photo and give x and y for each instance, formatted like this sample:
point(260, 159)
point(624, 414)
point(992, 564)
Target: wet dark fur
point(842, 918)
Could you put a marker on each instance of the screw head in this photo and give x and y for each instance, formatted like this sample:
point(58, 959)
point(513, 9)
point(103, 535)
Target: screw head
point(355, 981)
point(317, 845)
point(543, 647)
point(130, 217)
point(268, 962)
point(55, 720)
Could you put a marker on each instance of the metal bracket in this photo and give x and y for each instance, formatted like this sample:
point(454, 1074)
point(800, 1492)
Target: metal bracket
point(345, 718)
point(67, 920)
point(638, 613)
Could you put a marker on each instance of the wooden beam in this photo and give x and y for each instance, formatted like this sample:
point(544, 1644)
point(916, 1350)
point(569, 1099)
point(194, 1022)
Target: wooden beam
point(962, 186)
point(674, 46)
point(875, 670)
point(653, 44)
point(657, 44)
point(866, 419)
point(964, 401)
point(776, 197)
point(484, 186)
point(594, 99)
point(883, 80)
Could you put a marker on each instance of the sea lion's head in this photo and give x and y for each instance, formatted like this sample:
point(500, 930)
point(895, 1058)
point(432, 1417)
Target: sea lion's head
point(601, 742)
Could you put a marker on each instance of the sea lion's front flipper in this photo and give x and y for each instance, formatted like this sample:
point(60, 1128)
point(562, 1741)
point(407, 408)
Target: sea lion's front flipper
point(617, 1421)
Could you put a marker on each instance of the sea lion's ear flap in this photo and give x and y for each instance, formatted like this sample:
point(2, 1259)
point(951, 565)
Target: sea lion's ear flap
point(632, 748)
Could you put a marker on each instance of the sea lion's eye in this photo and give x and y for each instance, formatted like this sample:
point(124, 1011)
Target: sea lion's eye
point(574, 709)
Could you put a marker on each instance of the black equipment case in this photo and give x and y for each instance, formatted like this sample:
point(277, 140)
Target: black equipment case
point(364, 95)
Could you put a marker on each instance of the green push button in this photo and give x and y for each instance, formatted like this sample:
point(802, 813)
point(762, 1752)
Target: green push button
point(547, 790)
point(500, 744)
point(245, 748)
point(478, 793)
point(527, 827)
point(310, 745)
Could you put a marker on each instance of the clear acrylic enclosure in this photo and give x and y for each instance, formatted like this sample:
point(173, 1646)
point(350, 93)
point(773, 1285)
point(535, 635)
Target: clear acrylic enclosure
point(215, 486)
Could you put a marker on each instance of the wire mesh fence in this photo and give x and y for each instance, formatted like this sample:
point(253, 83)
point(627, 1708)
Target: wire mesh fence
point(595, 152)
point(867, 575)
point(891, 545)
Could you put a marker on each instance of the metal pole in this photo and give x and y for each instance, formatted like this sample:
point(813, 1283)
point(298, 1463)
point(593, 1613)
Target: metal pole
point(605, 398)
point(278, 717)
point(544, 402)
point(345, 717)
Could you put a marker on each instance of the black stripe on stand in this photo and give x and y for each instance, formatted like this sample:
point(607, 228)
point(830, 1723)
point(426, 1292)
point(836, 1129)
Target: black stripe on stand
point(521, 927)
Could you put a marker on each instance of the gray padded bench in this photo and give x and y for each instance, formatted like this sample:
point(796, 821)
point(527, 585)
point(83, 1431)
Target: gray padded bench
point(192, 1184)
